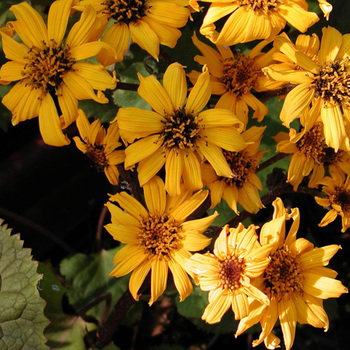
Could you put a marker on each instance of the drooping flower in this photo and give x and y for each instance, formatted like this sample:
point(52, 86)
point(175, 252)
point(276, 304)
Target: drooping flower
point(226, 274)
point(149, 23)
point(243, 187)
point(100, 146)
point(325, 7)
point(337, 188)
point(51, 78)
point(310, 155)
point(322, 81)
point(295, 281)
point(157, 238)
point(234, 76)
point(250, 20)
point(176, 133)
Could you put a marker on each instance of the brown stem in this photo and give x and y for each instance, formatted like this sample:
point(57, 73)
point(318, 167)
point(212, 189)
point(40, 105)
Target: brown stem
point(266, 95)
point(127, 86)
point(271, 161)
point(99, 230)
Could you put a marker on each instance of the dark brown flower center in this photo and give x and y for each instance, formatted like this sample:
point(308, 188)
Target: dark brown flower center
point(45, 68)
point(332, 82)
point(97, 155)
point(341, 197)
point(181, 130)
point(283, 276)
point(160, 236)
point(239, 74)
point(231, 270)
point(126, 11)
point(242, 166)
point(262, 6)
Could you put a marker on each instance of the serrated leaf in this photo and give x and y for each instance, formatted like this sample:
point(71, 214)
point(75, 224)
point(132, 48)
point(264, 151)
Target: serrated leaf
point(22, 319)
point(87, 279)
point(65, 332)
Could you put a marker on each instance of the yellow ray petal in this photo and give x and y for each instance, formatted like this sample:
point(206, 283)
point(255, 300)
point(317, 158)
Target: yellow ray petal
point(174, 82)
point(288, 320)
point(131, 205)
point(120, 216)
point(216, 117)
point(57, 20)
point(49, 123)
point(191, 171)
point(220, 245)
point(155, 196)
point(318, 256)
point(173, 170)
point(169, 14)
point(199, 225)
point(215, 310)
point(29, 26)
point(159, 275)
point(150, 166)
point(13, 50)
point(240, 306)
point(68, 105)
point(226, 138)
point(330, 44)
point(125, 234)
point(144, 36)
point(14, 97)
point(12, 71)
point(137, 277)
point(260, 110)
point(181, 280)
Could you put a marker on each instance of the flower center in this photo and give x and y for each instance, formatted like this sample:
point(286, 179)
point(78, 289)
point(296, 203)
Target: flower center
point(181, 130)
point(160, 237)
point(342, 197)
point(332, 83)
point(231, 270)
point(97, 155)
point(46, 67)
point(239, 74)
point(126, 11)
point(241, 166)
point(283, 275)
point(262, 6)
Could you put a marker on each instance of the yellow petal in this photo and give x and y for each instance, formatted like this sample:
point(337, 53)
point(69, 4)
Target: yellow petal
point(159, 276)
point(288, 320)
point(318, 256)
point(174, 82)
point(131, 205)
point(181, 280)
point(68, 105)
point(240, 306)
point(216, 309)
point(199, 225)
point(90, 49)
point(12, 71)
point(216, 117)
point(330, 44)
point(49, 123)
point(120, 216)
point(220, 246)
point(191, 171)
point(13, 50)
point(155, 196)
point(173, 170)
point(125, 234)
point(150, 166)
point(137, 277)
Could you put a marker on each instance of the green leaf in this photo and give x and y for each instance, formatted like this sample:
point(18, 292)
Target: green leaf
point(87, 279)
point(65, 332)
point(22, 319)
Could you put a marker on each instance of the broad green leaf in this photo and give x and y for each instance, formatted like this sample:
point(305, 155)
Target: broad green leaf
point(87, 279)
point(65, 332)
point(22, 319)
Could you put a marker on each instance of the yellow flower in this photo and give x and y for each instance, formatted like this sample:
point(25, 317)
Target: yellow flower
point(234, 75)
point(51, 80)
point(157, 239)
point(322, 81)
point(295, 281)
point(100, 146)
point(250, 20)
point(325, 7)
point(227, 273)
point(338, 191)
point(243, 187)
point(310, 154)
point(148, 23)
point(176, 133)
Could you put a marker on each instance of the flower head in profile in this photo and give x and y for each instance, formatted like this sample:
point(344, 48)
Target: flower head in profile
point(295, 281)
point(51, 78)
point(234, 76)
point(321, 82)
point(100, 146)
point(148, 23)
point(337, 189)
point(226, 274)
point(157, 238)
point(178, 133)
point(310, 155)
point(243, 187)
point(250, 20)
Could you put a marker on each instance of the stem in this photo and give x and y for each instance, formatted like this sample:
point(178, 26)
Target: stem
point(271, 161)
point(127, 86)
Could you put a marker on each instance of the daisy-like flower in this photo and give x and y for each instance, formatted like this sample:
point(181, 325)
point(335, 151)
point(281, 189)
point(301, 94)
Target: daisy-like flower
point(325, 7)
point(51, 78)
point(157, 239)
point(176, 133)
point(234, 75)
point(337, 188)
point(310, 155)
point(148, 23)
point(243, 187)
point(250, 20)
point(295, 281)
point(100, 146)
point(322, 81)
point(226, 274)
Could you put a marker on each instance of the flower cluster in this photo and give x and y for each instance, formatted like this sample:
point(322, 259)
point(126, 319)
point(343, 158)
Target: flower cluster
point(195, 143)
